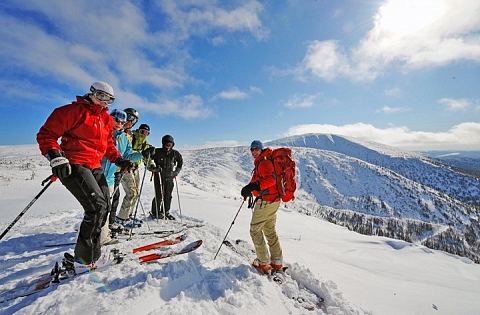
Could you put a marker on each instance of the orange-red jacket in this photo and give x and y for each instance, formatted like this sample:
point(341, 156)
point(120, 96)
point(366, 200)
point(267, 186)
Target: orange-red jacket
point(264, 173)
point(86, 130)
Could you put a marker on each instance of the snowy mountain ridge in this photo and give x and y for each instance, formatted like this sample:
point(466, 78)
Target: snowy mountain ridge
point(368, 187)
point(411, 165)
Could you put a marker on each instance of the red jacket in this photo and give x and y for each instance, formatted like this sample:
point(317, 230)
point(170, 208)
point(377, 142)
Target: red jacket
point(264, 174)
point(86, 130)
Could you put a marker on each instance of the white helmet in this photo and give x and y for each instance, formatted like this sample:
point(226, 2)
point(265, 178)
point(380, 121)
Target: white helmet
point(102, 86)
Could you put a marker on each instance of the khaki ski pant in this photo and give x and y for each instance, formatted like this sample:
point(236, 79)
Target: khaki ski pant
point(262, 226)
point(130, 182)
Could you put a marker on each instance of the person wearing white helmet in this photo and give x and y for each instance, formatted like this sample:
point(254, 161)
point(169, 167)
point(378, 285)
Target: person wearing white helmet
point(86, 132)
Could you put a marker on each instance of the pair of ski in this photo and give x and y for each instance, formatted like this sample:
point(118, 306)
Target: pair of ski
point(59, 274)
point(303, 297)
point(169, 253)
point(158, 233)
point(71, 242)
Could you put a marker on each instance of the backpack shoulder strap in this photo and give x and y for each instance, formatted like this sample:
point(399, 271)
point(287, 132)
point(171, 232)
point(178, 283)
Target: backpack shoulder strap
point(134, 139)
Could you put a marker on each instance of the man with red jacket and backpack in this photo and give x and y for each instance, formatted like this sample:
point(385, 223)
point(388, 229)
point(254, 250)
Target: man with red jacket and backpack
point(86, 131)
point(264, 218)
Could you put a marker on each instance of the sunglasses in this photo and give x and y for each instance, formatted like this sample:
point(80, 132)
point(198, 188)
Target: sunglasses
point(144, 132)
point(254, 149)
point(119, 121)
point(132, 119)
point(103, 97)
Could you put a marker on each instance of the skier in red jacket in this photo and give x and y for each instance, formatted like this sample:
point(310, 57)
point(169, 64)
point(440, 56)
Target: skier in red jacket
point(264, 217)
point(86, 132)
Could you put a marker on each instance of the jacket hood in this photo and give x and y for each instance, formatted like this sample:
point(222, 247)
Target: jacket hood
point(116, 133)
point(265, 152)
point(96, 109)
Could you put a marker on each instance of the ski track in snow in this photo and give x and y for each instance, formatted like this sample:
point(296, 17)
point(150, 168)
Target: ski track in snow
point(227, 285)
point(194, 279)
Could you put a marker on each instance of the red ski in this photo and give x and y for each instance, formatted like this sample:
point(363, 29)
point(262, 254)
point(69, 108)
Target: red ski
point(190, 247)
point(176, 240)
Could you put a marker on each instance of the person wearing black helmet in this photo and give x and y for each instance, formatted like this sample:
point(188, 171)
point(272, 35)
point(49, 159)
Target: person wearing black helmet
point(132, 119)
point(131, 181)
point(167, 165)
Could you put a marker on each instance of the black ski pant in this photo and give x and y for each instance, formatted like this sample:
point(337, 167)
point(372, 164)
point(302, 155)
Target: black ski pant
point(164, 188)
point(90, 188)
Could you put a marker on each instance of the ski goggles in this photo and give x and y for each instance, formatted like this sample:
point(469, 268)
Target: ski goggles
point(103, 97)
point(132, 119)
point(119, 121)
point(144, 132)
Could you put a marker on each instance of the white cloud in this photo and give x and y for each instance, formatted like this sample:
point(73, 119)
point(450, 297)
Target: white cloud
point(194, 18)
point(391, 110)
point(218, 40)
point(465, 136)
point(255, 89)
point(410, 33)
point(393, 92)
point(455, 104)
point(324, 60)
point(302, 100)
point(122, 46)
point(186, 107)
point(232, 94)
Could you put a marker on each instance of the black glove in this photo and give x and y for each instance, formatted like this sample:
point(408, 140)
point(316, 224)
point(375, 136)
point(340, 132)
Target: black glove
point(247, 190)
point(148, 152)
point(154, 169)
point(175, 173)
point(60, 165)
point(125, 165)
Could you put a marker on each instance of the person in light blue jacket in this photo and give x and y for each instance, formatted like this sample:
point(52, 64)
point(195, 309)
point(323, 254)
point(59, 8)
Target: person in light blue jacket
point(111, 171)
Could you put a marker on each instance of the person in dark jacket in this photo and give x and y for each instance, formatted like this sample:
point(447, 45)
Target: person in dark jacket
point(86, 131)
point(167, 165)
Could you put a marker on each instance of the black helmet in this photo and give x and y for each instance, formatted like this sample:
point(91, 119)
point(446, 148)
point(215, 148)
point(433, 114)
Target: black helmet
point(132, 115)
point(166, 139)
point(144, 127)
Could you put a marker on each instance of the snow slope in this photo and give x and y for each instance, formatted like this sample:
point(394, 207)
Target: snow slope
point(356, 274)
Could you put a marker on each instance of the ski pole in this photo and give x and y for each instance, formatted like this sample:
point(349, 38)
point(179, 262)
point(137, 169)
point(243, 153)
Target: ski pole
point(178, 196)
point(155, 212)
point(162, 189)
point(229, 228)
point(50, 180)
point(138, 200)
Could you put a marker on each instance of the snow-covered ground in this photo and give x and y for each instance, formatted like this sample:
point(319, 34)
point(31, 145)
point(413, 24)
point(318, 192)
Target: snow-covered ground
point(356, 274)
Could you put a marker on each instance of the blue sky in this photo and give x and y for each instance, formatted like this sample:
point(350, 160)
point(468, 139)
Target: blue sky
point(212, 73)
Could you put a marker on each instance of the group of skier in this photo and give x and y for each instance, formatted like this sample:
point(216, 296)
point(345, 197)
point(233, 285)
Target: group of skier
point(99, 151)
